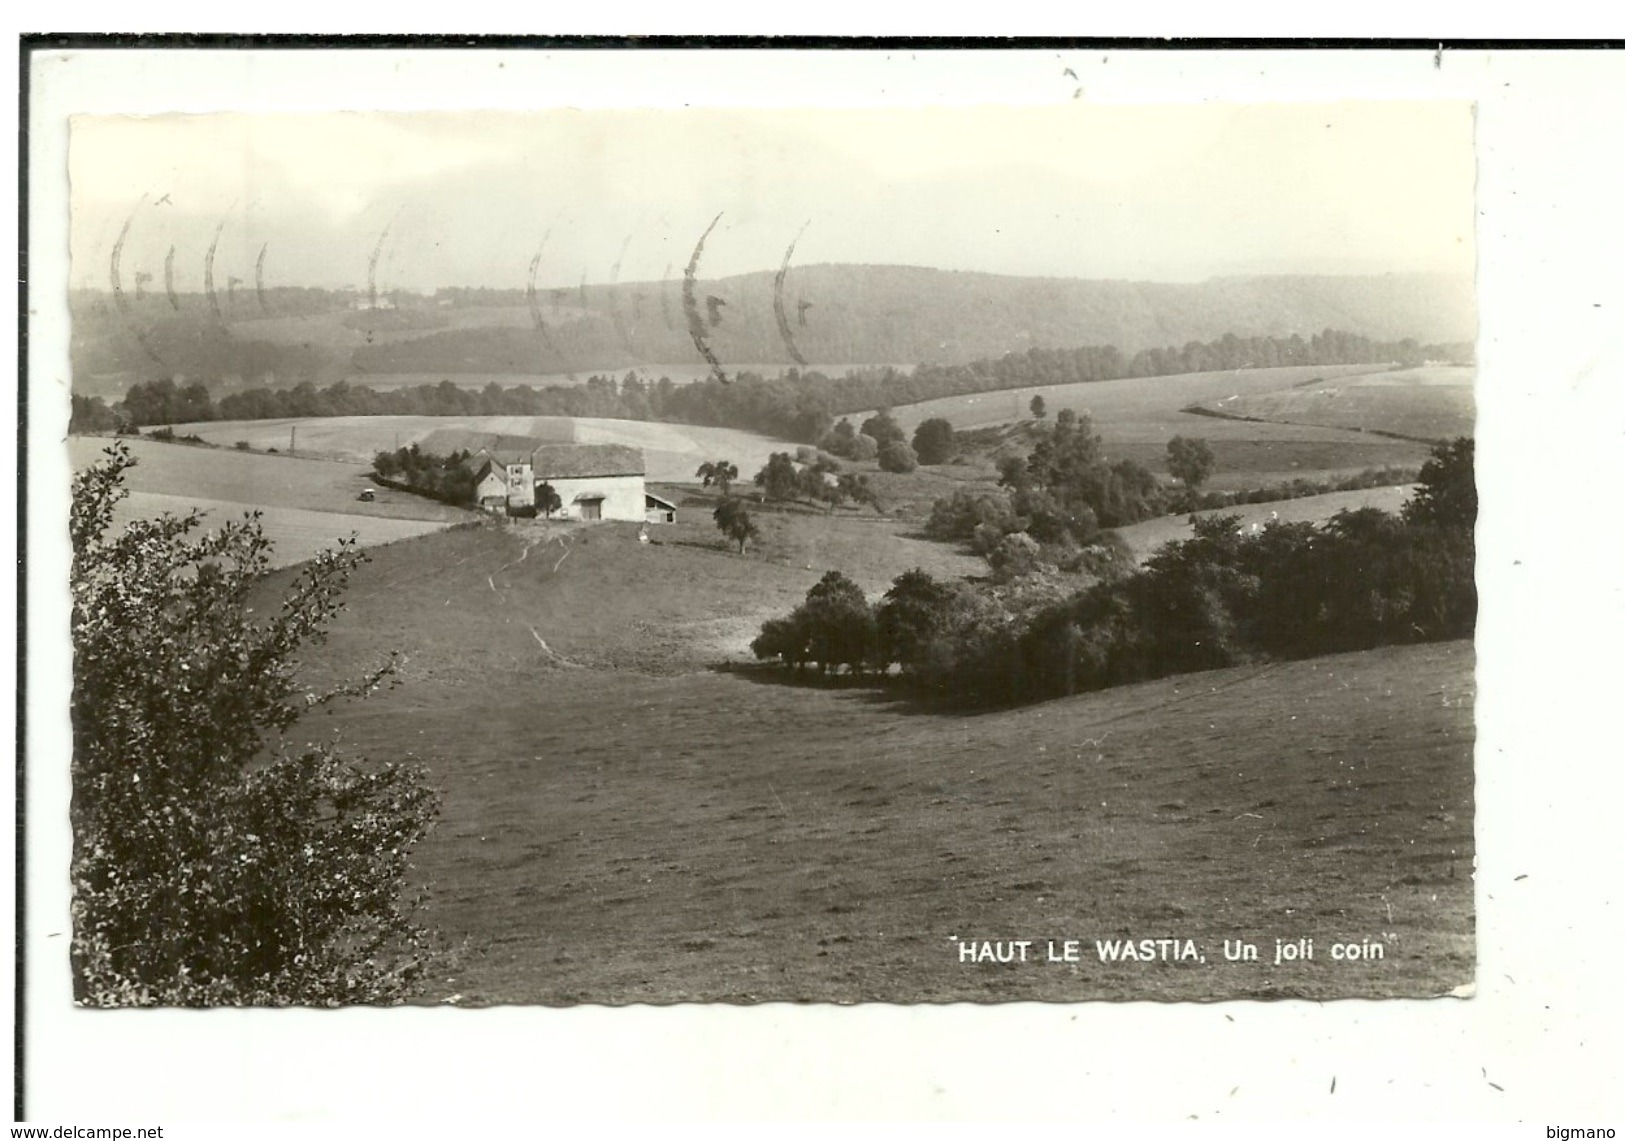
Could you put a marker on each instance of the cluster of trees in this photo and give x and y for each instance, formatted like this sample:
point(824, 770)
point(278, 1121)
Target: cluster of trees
point(795, 405)
point(882, 439)
point(165, 402)
point(1067, 488)
point(215, 859)
point(846, 441)
point(1053, 506)
point(818, 481)
point(890, 446)
point(837, 628)
point(1052, 502)
point(446, 478)
point(988, 522)
point(1226, 596)
point(1366, 579)
point(90, 415)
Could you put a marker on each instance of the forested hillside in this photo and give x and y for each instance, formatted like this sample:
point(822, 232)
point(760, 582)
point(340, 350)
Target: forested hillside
point(832, 315)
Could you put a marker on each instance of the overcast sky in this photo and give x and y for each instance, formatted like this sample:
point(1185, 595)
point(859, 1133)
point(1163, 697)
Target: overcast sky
point(1160, 193)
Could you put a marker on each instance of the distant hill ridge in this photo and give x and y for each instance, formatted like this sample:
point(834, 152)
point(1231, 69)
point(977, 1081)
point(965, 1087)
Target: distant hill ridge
point(835, 314)
point(907, 315)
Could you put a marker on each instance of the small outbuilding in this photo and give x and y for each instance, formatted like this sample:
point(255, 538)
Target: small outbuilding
point(658, 510)
point(490, 485)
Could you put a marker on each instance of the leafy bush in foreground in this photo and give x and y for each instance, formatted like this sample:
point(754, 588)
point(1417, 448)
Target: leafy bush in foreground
point(215, 861)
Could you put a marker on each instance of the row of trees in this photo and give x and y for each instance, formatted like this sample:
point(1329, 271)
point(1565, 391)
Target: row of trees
point(794, 405)
point(818, 481)
point(836, 627)
point(1226, 596)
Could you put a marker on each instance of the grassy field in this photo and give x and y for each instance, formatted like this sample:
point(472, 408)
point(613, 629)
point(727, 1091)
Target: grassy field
point(623, 824)
point(295, 535)
point(635, 812)
point(1136, 417)
point(464, 604)
point(1430, 403)
point(1144, 538)
point(306, 505)
point(1140, 406)
point(263, 481)
point(671, 451)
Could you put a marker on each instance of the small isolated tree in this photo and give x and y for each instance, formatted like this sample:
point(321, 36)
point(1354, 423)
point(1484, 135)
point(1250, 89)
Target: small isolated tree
point(934, 441)
point(779, 479)
point(857, 488)
point(547, 499)
point(216, 861)
point(897, 456)
point(734, 521)
point(1037, 408)
point(1190, 461)
point(720, 472)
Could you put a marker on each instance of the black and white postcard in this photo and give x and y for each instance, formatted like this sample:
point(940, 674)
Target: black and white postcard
point(540, 544)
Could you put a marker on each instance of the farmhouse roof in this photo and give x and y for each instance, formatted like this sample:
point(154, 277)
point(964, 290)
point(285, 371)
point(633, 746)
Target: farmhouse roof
point(578, 461)
point(445, 441)
point(651, 497)
point(549, 461)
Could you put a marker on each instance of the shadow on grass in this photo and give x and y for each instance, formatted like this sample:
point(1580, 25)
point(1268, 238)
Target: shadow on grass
point(715, 547)
point(889, 691)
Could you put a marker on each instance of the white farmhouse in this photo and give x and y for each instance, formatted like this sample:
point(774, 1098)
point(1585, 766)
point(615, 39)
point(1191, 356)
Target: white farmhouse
point(592, 481)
